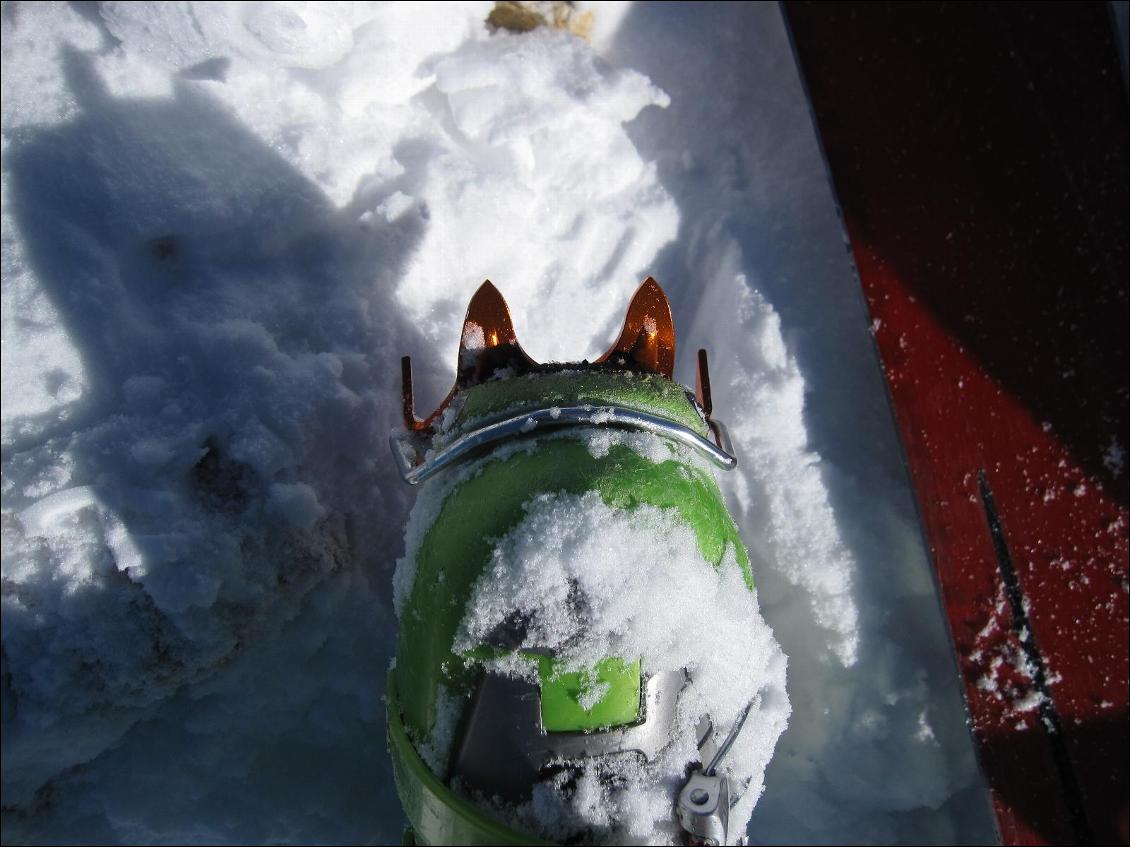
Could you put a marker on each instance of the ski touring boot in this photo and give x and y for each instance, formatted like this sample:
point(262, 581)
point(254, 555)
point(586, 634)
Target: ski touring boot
point(580, 655)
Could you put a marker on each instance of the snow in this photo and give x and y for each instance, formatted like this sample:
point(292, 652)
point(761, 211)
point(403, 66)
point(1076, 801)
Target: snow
point(1114, 457)
point(436, 748)
point(648, 594)
point(296, 503)
point(223, 224)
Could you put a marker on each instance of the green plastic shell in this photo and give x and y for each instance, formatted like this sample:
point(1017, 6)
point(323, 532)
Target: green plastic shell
point(457, 548)
point(562, 695)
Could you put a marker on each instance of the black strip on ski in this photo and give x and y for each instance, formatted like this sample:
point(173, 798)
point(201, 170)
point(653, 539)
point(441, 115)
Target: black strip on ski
point(1049, 716)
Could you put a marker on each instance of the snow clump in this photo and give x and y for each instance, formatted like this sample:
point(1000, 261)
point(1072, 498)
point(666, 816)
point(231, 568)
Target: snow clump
point(645, 592)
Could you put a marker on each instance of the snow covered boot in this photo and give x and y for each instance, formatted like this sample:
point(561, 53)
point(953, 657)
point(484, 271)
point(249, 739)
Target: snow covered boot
point(557, 595)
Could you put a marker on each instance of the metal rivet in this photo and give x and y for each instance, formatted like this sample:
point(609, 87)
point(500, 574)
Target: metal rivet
point(699, 796)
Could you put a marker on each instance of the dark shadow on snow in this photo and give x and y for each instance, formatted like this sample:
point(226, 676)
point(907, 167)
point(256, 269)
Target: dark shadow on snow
point(144, 218)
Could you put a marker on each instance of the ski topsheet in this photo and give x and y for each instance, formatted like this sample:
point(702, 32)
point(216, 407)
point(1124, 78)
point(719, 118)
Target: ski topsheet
point(979, 153)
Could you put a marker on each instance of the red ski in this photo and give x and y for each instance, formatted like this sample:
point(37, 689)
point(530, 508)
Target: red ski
point(979, 153)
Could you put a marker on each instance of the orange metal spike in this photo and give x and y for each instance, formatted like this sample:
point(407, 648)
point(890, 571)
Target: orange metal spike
point(487, 325)
point(487, 343)
point(489, 311)
point(408, 402)
point(648, 336)
point(702, 384)
point(702, 394)
point(488, 340)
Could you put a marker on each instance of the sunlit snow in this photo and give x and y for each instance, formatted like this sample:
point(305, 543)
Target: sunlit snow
point(224, 223)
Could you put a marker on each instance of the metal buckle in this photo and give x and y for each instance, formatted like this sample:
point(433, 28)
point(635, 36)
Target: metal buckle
point(704, 800)
point(415, 468)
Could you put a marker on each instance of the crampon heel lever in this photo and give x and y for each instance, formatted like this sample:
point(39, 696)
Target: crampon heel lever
point(704, 800)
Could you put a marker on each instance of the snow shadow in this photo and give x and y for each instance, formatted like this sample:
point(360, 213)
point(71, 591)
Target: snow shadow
point(877, 751)
point(240, 349)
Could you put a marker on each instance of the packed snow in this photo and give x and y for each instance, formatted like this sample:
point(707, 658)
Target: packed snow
point(223, 224)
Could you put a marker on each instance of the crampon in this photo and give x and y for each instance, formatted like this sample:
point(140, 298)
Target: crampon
point(504, 714)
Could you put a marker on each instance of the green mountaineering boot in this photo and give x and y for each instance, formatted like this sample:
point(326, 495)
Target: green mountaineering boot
point(470, 743)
